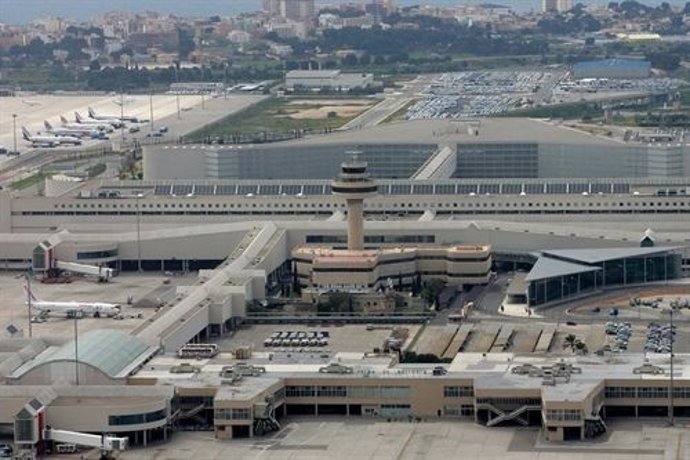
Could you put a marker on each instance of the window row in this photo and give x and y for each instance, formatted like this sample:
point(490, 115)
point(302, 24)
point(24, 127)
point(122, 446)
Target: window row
point(135, 419)
point(525, 204)
point(458, 392)
point(234, 413)
point(339, 391)
point(645, 392)
point(464, 410)
point(571, 415)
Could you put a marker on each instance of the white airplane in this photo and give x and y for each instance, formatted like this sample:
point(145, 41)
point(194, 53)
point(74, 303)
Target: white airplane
point(90, 123)
point(45, 308)
point(109, 118)
point(114, 122)
point(81, 131)
point(50, 140)
point(78, 126)
point(31, 103)
point(123, 100)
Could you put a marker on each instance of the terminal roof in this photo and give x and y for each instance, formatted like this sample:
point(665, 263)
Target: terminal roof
point(593, 256)
point(113, 352)
point(546, 267)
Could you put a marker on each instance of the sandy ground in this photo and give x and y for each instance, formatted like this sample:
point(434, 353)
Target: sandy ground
point(333, 102)
point(322, 112)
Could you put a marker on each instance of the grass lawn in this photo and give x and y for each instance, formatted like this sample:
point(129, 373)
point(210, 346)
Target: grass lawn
point(568, 111)
point(271, 115)
point(31, 180)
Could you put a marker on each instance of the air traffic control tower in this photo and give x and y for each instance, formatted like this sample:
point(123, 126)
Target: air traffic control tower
point(355, 185)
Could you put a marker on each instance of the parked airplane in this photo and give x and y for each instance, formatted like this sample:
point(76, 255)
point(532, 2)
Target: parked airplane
point(91, 123)
point(121, 101)
point(114, 122)
point(30, 102)
point(80, 131)
point(50, 140)
point(74, 125)
point(109, 118)
point(45, 308)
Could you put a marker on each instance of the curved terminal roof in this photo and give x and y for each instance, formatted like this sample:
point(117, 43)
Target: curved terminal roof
point(113, 352)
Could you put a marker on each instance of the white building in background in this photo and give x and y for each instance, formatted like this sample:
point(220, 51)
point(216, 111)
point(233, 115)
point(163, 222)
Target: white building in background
point(327, 79)
point(556, 6)
point(239, 37)
point(297, 10)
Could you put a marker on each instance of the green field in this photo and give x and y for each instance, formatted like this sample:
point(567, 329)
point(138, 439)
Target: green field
point(272, 116)
point(568, 111)
point(31, 180)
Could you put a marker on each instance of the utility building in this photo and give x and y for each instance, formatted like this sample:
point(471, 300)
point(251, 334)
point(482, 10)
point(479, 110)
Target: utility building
point(612, 68)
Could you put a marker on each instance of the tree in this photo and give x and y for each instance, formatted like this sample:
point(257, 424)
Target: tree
point(417, 285)
point(664, 60)
point(575, 345)
point(95, 65)
point(570, 342)
point(432, 290)
point(581, 348)
point(186, 42)
point(337, 302)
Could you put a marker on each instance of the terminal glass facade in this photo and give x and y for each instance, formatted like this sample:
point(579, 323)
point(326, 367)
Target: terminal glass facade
point(497, 160)
point(662, 266)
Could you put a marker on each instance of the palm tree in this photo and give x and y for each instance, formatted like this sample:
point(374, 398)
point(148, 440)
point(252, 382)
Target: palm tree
point(570, 341)
point(581, 347)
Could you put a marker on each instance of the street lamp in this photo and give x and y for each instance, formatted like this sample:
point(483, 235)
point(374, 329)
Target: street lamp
point(76, 350)
point(122, 115)
point(151, 109)
point(29, 300)
point(137, 196)
point(671, 417)
point(14, 130)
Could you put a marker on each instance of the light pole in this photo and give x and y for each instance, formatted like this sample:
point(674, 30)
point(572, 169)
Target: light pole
point(29, 300)
point(14, 130)
point(178, 106)
point(76, 350)
point(138, 195)
point(151, 109)
point(671, 416)
point(122, 115)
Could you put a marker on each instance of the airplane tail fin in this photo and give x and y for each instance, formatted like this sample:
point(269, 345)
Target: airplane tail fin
point(48, 126)
point(63, 120)
point(77, 117)
point(92, 113)
point(26, 133)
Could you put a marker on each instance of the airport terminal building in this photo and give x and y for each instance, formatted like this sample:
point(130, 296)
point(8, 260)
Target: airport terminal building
point(243, 235)
point(435, 149)
point(571, 398)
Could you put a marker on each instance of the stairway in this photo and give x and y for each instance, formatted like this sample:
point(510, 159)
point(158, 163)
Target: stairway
point(502, 416)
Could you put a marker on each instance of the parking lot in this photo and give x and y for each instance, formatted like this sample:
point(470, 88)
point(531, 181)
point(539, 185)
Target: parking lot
point(349, 337)
point(575, 89)
point(482, 93)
